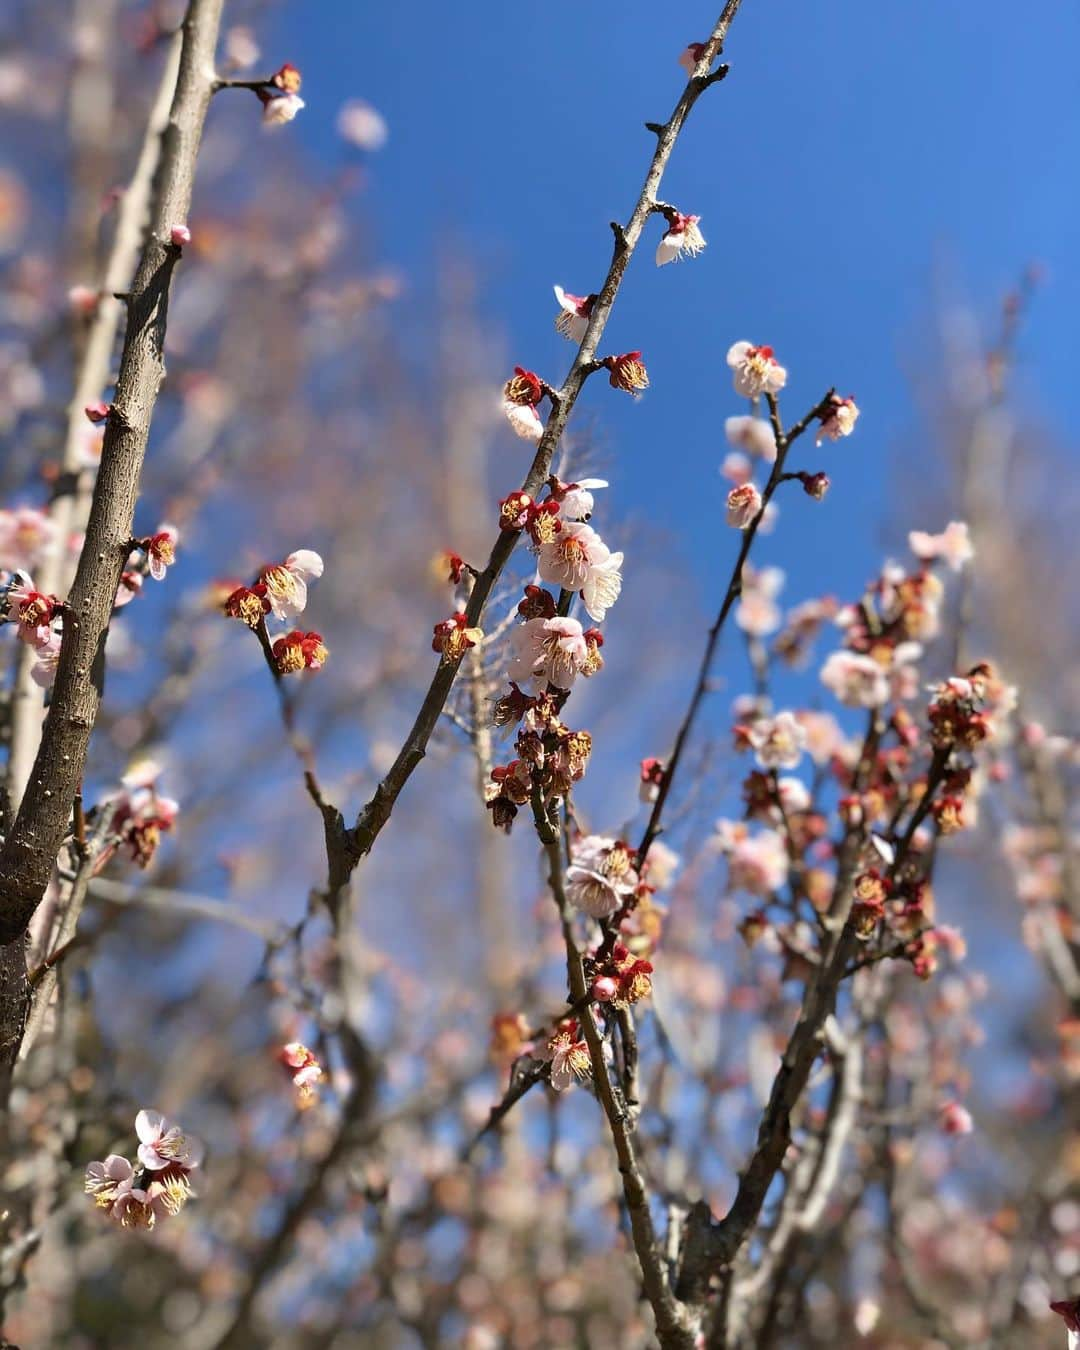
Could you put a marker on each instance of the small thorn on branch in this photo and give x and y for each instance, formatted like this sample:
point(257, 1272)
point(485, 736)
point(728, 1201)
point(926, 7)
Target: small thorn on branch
point(657, 128)
point(717, 75)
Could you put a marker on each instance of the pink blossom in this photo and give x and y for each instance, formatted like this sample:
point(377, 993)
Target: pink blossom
point(953, 546)
point(97, 412)
point(778, 742)
point(27, 537)
point(554, 650)
point(743, 506)
point(278, 111)
point(755, 370)
point(362, 125)
point(286, 583)
point(857, 681)
point(824, 739)
point(180, 235)
point(31, 611)
point(604, 989)
point(161, 1144)
point(661, 864)
point(524, 420)
point(683, 236)
point(839, 420)
point(576, 499)
point(46, 660)
point(758, 863)
point(601, 875)
point(691, 56)
point(955, 1119)
point(737, 468)
point(161, 550)
point(752, 434)
point(573, 317)
point(577, 559)
point(569, 1056)
point(83, 300)
point(757, 612)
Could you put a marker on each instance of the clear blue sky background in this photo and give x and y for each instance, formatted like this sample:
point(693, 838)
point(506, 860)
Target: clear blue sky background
point(853, 148)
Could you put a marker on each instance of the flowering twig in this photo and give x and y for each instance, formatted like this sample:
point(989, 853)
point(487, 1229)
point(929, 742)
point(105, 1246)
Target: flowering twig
point(31, 848)
point(376, 812)
point(784, 441)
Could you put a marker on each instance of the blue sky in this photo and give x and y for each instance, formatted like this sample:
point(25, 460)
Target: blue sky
point(856, 151)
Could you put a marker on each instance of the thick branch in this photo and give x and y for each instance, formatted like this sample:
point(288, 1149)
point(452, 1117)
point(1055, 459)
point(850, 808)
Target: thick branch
point(30, 851)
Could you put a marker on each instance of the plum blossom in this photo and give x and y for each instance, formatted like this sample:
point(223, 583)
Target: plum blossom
point(955, 1119)
point(521, 393)
point(601, 875)
point(743, 506)
point(83, 301)
point(626, 372)
point(752, 434)
point(161, 550)
point(112, 1184)
point(555, 650)
point(839, 420)
point(682, 236)
point(27, 536)
point(857, 681)
point(757, 613)
point(251, 604)
point(140, 814)
point(306, 1072)
point(778, 742)
point(30, 610)
point(277, 110)
point(163, 1144)
point(755, 370)
point(287, 583)
point(297, 651)
point(691, 56)
point(756, 863)
point(576, 499)
point(953, 545)
point(453, 637)
point(361, 125)
point(737, 468)
point(577, 559)
point(573, 317)
point(1069, 1310)
point(661, 864)
point(97, 412)
point(180, 235)
point(569, 1056)
point(46, 660)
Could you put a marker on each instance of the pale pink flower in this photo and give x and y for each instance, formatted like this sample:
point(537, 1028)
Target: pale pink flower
point(955, 1119)
point(286, 583)
point(691, 56)
point(601, 875)
point(755, 370)
point(683, 236)
point(824, 739)
point(30, 610)
point(27, 536)
point(104, 1178)
point(758, 863)
point(162, 1144)
point(794, 795)
point(953, 545)
point(180, 235)
point(361, 125)
point(554, 650)
point(857, 681)
point(161, 550)
point(278, 111)
point(569, 1056)
point(573, 317)
point(83, 300)
point(737, 468)
point(778, 742)
point(46, 660)
point(757, 613)
point(97, 412)
point(840, 420)
point(752, 434)
point(743, 506)
point(661, 864)
point(577, 559)
point(576, 499)
point(524, 420)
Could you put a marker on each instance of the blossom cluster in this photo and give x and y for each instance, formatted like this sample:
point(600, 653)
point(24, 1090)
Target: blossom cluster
point(157, 1185)
point(280, 590)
